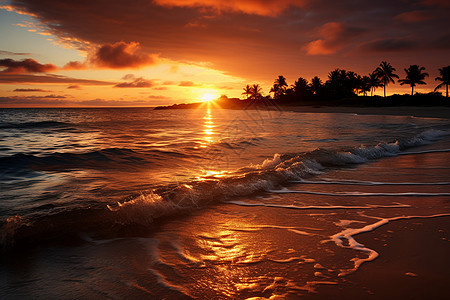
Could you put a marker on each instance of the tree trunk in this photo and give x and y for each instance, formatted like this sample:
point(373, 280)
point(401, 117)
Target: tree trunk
point(384, 87)
point(412, 91)
point(446, 93)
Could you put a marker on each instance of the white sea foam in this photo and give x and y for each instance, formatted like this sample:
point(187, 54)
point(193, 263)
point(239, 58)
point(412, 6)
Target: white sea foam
point(349, 233)
point(368, 206)
point(361, 182)
point(409, 194)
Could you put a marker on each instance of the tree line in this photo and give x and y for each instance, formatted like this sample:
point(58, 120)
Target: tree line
point(346, 84)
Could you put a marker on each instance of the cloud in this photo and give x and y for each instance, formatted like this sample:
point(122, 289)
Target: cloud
point(158, 97)
point(441, 3)
point(257, 7)
point(335, 36)
point(63, 101)
point(75, 87)
point(75, 65)
point(389, 45)
point(3, 52)
point(31, 90)
point(247, 38)
point(186, 83)
point(135, 83)
point(415, 16)
point(57, 79)
point(121, 55)
point(25, 66)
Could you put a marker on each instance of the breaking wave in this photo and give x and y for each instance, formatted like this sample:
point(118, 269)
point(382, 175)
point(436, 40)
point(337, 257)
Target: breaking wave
point(168, 201)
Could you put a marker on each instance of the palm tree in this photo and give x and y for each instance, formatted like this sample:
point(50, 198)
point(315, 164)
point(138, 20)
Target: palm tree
point(386, 74)
point(301, 88)
point(364, 84)
point(256, 91)
point(247, 91)
point(414, 76)
point(445, 78)
point(279, 87)
point(275, 90)
point(375, 82)
point(316, 85)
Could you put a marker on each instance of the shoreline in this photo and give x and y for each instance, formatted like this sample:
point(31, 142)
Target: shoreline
point(415, 111)
point(413, 263)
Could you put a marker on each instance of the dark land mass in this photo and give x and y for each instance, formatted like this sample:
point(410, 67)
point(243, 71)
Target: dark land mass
point(419, 105)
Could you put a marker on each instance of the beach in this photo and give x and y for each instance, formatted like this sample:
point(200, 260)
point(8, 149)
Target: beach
point(225, 204)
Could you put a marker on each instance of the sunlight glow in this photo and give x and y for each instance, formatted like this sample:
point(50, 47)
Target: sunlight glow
point(208, 97)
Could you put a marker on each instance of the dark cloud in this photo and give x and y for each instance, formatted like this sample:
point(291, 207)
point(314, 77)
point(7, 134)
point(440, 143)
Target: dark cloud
point(415, 16)
point(389, 45)
point(135, 83)
point(258, 7)
point(25, 66)
point(253, 38)
point(3, 52)
point(75, 65)
point(62, 101)
point(334, 36)
point(28, 78)
point(75, 87)
point(31, 90)
point(121, 55)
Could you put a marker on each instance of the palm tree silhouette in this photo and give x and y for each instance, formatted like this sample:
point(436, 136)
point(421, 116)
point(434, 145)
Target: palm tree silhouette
point(445, 78)
point(256, 91)
point(375, 82)
point(279, 87)
point(414, 76)
point(316, 85)
point(386, 74)
point(247, 91)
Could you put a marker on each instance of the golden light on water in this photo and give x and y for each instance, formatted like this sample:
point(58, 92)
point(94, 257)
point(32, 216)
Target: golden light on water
point(208, 130)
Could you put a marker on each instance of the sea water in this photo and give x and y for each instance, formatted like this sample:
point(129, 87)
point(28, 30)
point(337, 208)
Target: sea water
point(135, 202)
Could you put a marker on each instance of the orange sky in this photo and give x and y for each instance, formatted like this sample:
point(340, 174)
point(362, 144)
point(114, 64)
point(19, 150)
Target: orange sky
point(148, 53)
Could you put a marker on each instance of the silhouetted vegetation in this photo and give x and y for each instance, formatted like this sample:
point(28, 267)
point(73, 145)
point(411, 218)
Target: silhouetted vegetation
point(342, 88)
point(445, 78)
point(414, 76)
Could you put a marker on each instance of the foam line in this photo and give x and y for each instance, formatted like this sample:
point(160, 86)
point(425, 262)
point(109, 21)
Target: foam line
point(410, 194)
point(349, 233)
point(360, 182)
point(425, 151)
point(242, 203)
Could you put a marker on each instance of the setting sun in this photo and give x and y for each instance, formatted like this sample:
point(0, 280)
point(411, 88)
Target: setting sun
point(208, 97)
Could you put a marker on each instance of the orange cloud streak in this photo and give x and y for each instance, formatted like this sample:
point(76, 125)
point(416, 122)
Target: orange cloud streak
point(257, 7)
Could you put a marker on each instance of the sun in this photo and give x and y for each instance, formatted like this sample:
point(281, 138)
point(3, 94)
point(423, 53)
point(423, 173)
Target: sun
point(208, 97)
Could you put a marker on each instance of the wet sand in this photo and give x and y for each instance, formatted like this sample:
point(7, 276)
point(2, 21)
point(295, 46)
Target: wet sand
point(413, 263)
point(422, 112)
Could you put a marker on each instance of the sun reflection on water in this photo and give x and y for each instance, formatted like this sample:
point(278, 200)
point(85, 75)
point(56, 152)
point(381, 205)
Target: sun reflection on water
point(208, 130)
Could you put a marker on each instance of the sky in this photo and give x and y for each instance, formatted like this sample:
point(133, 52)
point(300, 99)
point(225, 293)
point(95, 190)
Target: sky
point(159, 52)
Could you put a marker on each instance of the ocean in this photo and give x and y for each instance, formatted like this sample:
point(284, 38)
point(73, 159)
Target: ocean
point(212, 203)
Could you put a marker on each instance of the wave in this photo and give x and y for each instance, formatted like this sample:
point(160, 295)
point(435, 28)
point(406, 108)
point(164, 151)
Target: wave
point(30, 125)
point(111, 158)
point(409, 194)
point(368, 206)
point(362, 182)
point(174, 199)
